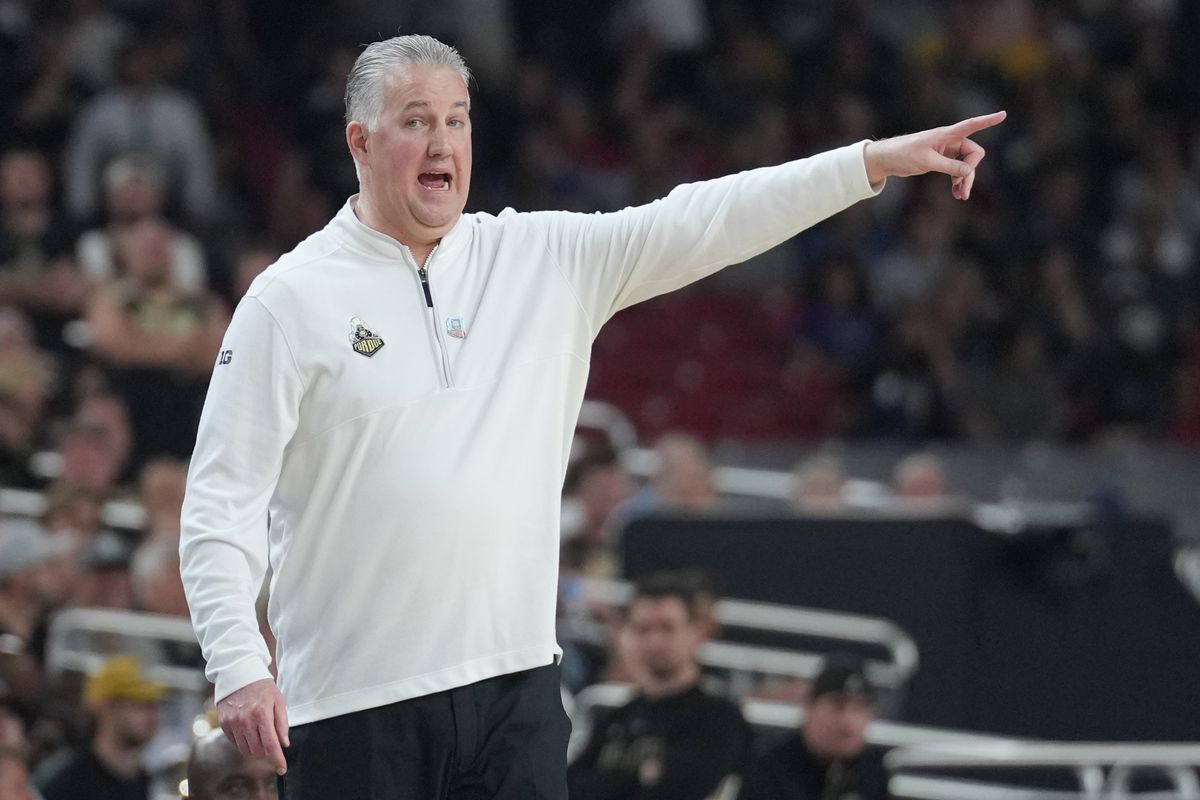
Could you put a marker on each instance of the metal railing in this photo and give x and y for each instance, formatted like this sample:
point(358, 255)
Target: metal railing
point(1104, 771)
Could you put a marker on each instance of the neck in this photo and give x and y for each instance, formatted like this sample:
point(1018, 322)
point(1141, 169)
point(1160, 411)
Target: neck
point(369, 215)
point(657, 687)
point(117, 757)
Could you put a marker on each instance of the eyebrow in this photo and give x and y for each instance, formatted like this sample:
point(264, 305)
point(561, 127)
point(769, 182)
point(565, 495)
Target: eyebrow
point(411, 104)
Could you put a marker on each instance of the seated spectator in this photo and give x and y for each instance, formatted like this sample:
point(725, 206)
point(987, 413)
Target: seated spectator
point(160, 491)
point(217, 771)
point(673, 740)
point(828, 758)
point(142, 115)
point(158, 340)
point(37, 274)
point(28, 589)
point(124, 709)
point(133, 191)
point(818, 485)
point(105, 580)
point(14, 777)
point(682, 483)
point(595, 486)
point(25, 378)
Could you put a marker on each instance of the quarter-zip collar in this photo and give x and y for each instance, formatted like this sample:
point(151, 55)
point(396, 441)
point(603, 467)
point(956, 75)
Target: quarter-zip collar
point(356, 235)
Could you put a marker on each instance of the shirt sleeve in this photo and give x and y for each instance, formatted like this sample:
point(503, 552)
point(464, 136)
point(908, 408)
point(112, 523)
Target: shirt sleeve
point(618, 259)
point(249, 417)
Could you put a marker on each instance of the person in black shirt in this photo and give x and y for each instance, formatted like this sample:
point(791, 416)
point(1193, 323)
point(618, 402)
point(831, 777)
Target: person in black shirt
point(673, 741)
point(828, 758)
point(124, 706)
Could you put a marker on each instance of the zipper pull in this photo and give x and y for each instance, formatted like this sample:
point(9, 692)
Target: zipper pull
point(425, 285)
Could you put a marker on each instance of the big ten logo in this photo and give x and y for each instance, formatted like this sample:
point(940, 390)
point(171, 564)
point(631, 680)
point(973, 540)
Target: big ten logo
point(225, 357)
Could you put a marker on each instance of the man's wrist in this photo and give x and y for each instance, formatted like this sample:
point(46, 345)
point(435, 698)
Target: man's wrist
point(876, 172)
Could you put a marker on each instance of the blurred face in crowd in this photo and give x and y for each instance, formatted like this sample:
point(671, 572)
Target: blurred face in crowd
point(665, 636)
point(134, 197)
point(217, 771)
point(145, 252)
point(415, 165)
point(24, 181)
point(835, 724)
point(130, 723)
point(14, 778)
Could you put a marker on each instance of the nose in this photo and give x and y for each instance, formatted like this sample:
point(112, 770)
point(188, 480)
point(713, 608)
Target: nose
point(439, 142)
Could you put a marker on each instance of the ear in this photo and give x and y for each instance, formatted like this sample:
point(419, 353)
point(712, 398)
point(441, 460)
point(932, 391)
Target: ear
point(356, 140)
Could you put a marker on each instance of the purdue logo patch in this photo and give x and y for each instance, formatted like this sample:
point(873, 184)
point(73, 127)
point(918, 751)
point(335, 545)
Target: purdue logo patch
point(365, 341)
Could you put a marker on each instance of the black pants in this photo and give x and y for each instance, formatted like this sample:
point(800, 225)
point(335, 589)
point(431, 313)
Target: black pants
point(503, 738)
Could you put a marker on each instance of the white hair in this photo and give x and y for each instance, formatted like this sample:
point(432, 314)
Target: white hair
point(364, 87)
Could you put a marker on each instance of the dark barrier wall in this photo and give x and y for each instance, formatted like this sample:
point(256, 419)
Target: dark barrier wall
point(1076, 634)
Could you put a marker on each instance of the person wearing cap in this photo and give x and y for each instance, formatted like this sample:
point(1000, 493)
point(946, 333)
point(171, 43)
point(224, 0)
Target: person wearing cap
point(217, 771)
point(828, 757)
point(673, 740)
point(29, 586)
point(124, 707)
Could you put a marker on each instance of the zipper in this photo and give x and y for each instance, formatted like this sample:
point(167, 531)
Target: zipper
point(423, 274)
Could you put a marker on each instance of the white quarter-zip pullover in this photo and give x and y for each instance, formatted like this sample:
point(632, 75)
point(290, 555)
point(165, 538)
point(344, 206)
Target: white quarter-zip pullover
point(405, 430)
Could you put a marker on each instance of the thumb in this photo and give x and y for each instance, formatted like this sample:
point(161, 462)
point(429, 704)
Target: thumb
point(281, 721)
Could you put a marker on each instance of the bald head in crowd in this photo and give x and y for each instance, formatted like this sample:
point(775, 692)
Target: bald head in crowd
point(217, 771)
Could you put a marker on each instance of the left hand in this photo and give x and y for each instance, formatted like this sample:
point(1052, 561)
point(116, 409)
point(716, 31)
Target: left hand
point(948, 150)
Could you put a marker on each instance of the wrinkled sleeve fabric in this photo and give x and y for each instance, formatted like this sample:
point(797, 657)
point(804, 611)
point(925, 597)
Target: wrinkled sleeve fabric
point(249, 417)
point(618, 259)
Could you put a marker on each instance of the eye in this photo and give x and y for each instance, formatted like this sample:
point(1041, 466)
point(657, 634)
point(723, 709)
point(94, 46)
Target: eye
point(456, 123)
point(415, 122)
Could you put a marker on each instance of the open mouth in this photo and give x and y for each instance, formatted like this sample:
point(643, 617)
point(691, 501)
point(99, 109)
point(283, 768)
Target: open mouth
point(435, 181)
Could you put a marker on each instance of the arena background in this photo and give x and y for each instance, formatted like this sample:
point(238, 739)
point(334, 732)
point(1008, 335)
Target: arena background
point(976, 420)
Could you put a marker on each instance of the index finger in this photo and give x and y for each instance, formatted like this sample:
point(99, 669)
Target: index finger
point(976, 124)
point(271, 748)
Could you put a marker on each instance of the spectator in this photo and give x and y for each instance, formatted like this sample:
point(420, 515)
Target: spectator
point(828, 758)
point(682, 482)
point(14, 777)
point(160, 491)
point(25, 379)
point(595, 486)
point(142, 115)
point(154, 575)
point(818, 485)
point(123, 705)
point(133, 191)
point(158, 339)
point(217, 771)
point(105, 581)
point(37, 273)
point(28, 589)
point(672, 740)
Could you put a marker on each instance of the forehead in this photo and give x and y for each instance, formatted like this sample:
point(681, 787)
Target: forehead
point(431, 83)
point(654, 609)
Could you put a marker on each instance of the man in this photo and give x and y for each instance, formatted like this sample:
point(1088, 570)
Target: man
point(828, 758)
point(672, 741)
point(29, 587)
point(217, 771)
point(124, 709)
point(412, 477)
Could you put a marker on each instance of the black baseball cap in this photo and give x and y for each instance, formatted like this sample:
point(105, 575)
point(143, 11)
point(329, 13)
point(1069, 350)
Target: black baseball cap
point(844, 674)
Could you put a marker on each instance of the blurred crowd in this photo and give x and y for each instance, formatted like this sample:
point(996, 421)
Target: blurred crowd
point(155, 157)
